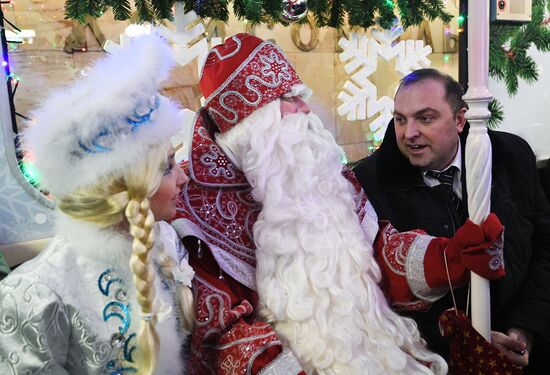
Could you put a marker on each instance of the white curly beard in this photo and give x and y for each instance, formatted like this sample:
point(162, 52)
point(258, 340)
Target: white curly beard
point(316, 275)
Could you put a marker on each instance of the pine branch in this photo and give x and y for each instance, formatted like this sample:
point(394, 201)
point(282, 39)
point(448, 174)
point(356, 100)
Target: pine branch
point(188, 5)
point(239, 8)
point(497, 114)
point(515, 63)
point(526, 68)
point(413, 12)
point(96, 8)
point(537, 12)
point(76, 9)
point(387, 15)
point(254, 11)
point(336, 17)
point(435, 9)
point(357, 13)
point(369, 18)
point(510, 80)
point(497, 64)
point(273, 9)
point(542, 40)
point(216, 9)
point(163, 9)
point(320, 11)
point(144, 10)
point(498, 37)
point(122, 9)
point(407, 14)
point(221, 12)
point(521, 40)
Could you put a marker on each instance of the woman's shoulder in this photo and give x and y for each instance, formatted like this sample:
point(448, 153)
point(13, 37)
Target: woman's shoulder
point(59, 269)
point(53, 255)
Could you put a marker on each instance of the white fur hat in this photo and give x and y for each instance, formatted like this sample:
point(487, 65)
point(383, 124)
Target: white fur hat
point(107, 121)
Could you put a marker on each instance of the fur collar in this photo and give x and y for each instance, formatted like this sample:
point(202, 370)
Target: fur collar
point(104, 245)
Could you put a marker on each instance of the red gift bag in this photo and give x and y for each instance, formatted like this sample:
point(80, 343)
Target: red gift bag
point(470, 353)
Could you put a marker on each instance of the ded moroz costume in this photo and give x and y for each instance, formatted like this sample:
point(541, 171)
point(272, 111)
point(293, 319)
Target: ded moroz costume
point(280, 240)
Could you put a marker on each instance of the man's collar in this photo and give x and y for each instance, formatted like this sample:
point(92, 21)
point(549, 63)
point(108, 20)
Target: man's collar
point(457, 161)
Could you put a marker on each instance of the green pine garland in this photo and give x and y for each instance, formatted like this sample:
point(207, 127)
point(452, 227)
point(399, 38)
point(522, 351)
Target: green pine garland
point(360, 13)
point(121, 9)
point(505, 63)
point(79, 9)
point(147, 10)
point(508, 46)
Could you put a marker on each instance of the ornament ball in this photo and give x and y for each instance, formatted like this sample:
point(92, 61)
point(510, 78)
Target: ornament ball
point(294, 10)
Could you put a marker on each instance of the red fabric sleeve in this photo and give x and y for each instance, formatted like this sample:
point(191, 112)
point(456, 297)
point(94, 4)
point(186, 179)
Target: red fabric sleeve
point(413, 263)
point(391, 248)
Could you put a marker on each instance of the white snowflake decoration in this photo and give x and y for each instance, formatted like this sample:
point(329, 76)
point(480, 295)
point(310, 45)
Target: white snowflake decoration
point(189, 29)
point(359, 97)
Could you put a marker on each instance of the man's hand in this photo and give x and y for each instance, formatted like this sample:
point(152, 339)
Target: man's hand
point(515, 345)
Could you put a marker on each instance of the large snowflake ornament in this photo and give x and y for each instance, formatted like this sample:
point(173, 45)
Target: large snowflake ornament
point(360, 96)
point(187, 39)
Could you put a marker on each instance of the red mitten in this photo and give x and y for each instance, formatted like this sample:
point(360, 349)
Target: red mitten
point(483, 247)
point(474, 247)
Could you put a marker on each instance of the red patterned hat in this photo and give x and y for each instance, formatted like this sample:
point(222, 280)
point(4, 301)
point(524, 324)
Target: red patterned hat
point(239, 77)
point(242, 75)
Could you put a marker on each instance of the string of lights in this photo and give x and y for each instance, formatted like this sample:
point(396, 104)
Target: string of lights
point(12, 82)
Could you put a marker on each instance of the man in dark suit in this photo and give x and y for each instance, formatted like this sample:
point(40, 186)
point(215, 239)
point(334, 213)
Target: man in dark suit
point(416, 180)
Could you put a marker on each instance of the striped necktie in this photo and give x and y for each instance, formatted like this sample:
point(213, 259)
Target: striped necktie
point(446, 179)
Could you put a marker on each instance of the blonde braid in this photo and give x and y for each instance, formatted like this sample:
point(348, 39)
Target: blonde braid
point(119, 194)
point(141, 221)
point(184, 296)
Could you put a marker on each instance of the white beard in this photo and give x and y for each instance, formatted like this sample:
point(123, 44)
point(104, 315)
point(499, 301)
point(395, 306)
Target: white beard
point(316, 275)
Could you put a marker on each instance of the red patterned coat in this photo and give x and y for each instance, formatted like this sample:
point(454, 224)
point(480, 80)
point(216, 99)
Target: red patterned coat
point(215, 219)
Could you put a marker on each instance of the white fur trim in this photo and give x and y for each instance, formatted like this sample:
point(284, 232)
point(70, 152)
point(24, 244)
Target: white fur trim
point(299, 90)
point(114, 88)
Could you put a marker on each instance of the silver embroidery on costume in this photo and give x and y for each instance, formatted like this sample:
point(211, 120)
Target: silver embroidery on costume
point(415, 272)
point(497, 254)
point(284, 363)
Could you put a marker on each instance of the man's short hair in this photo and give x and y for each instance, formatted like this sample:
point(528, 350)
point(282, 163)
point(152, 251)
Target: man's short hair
point(453, 89)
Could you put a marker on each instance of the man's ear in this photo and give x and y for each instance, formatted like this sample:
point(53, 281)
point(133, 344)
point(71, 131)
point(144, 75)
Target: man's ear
point(460, 119)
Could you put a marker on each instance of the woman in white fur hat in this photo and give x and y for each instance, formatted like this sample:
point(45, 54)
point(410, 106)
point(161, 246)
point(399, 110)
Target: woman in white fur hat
point(110, 294)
